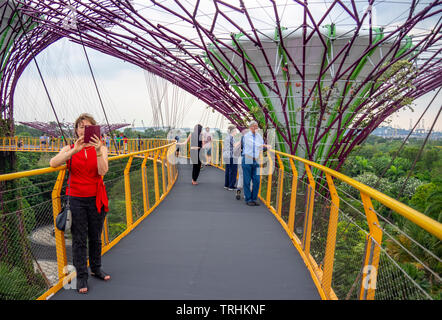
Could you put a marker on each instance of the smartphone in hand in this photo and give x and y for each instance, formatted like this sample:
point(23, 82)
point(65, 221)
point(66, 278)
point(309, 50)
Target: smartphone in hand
point(90, 131)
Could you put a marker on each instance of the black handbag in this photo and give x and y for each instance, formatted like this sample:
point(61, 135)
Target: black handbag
point(63, 221)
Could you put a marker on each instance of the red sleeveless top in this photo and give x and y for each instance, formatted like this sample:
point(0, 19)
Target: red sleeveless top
point(84, 178)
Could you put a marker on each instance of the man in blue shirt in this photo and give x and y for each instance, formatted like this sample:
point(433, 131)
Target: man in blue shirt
point(253, 144)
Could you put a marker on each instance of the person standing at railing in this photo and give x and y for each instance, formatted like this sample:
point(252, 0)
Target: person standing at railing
point(230, 158)
point(87, 163)
point(253, 144)
point(139, 143)
point(42, 141)
point(195, 151)
point(119, 141)
point(177, 148)
point(108, 140)
point(125, 141)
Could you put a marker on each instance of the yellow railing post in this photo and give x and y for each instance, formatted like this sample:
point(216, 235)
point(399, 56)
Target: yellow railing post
point(372, 255)
point(214, 160)
point(105, 234)
point(218, 154)
point(145, 184)
point(155, 176)
point(308, 218)
point(129, 217)
point(219, 151)
point(269, 180)
point(280, 186)
point(331, 238)
point(188, 149)
point(163, 170)
point(261, 173)
point(170, 153)
point(213, 153)
point(292, 209)
point(60, 245)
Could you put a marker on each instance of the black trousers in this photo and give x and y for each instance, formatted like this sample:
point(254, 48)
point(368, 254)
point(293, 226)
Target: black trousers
point(230, 174)
point(87, 225)
point(196, 168)
point(195, 158)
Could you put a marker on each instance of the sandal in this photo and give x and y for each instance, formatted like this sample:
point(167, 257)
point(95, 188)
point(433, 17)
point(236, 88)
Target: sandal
point(82, 284)
point(100, 275)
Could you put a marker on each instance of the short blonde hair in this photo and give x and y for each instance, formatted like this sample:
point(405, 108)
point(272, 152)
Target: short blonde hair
point(83, 116)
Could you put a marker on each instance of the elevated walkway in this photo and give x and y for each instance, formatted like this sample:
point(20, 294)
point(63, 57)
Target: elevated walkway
point(166, 239)
point(202, 243)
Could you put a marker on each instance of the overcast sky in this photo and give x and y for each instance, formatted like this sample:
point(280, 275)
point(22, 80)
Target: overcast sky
point(122, 86)
point(125, 92)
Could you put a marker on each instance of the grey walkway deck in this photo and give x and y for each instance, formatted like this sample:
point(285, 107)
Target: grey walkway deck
point(201, 243)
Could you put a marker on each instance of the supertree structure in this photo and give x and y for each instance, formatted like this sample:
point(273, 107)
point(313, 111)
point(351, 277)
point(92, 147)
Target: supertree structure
point(323, 74)
point(22, 37)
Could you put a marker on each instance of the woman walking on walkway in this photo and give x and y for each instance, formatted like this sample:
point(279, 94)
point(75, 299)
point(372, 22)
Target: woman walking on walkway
point(87, 163)
point(195, 151)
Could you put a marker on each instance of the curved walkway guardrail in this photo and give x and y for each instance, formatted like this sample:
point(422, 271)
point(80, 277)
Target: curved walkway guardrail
point(351, 251)
point(135, 189)
point(318, 242)
point(34, 144)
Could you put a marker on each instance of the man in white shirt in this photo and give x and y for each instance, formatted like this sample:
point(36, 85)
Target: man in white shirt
point(253, 144)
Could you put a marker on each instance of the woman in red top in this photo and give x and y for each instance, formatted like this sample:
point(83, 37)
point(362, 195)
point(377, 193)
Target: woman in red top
point(87, 163)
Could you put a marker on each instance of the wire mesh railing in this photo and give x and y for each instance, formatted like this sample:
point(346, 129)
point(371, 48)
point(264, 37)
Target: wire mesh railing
point(48, 144)
point(35, 257)
point(351, 250)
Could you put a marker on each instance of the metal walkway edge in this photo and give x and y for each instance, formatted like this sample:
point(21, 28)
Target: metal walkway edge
point(201, 243)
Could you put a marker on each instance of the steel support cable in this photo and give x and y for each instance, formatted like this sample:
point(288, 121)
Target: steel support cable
point(391, 237)
point(386, 221)
point(60, 92)
point(38, 69)
point(27, 196)
point(403, 143)
point(420, 151)
point(410, 253)
point(28, 208)
point(117, 147)
point(406, 274)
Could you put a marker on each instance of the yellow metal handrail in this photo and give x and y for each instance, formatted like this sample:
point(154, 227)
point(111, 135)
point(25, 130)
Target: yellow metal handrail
point(322, 274)
point(420, 219)
point(160, 154)
point(34, 144)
